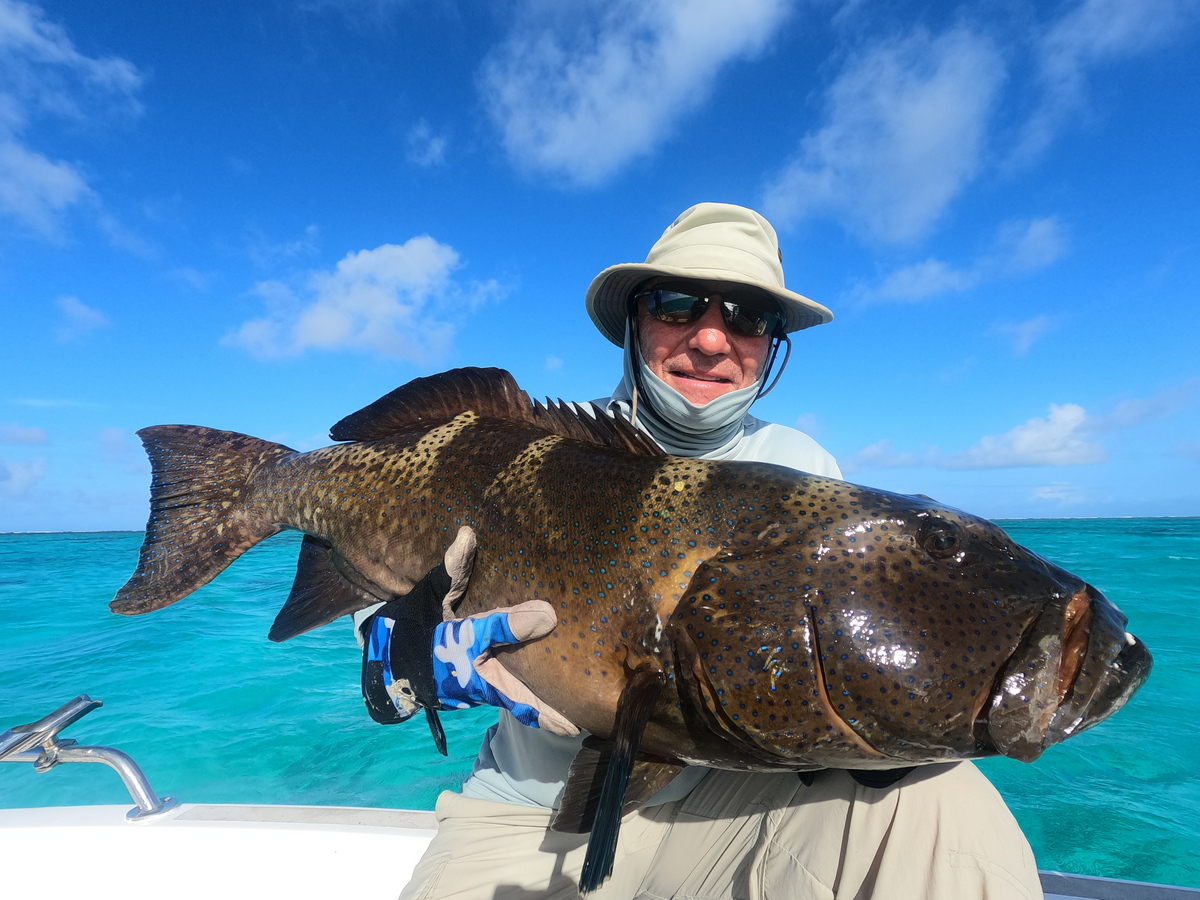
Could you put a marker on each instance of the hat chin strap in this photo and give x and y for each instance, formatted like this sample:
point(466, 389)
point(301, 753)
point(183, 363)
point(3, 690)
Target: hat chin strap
point(775, 340)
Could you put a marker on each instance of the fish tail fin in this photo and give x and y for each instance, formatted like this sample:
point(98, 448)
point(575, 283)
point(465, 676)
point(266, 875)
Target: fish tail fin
point(201, 519)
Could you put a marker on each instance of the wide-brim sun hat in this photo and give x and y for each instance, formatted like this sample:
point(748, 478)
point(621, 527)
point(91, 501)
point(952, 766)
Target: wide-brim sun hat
point(709, 242)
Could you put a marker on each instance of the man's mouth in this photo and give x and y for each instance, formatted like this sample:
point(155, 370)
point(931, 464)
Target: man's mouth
point(692, 376)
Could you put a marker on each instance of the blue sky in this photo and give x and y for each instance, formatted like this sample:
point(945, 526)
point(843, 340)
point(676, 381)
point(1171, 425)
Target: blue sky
point(261, 215)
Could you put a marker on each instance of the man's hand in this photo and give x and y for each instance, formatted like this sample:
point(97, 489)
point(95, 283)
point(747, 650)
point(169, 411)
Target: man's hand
point(417, 656)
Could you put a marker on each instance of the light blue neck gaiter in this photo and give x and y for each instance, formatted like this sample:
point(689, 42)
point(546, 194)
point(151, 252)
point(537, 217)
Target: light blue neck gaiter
point(679, 426)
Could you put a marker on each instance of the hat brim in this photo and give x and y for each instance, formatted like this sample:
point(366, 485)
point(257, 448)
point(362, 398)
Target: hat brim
point(608, 296)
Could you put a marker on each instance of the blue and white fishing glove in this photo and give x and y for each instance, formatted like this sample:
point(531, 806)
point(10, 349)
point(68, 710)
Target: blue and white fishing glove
point(433, 661)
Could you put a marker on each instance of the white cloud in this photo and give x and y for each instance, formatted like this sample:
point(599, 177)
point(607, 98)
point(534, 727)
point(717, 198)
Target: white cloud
point(924, 280)
point(34, 189)
point(807, 422)
point(1029, 245)
point(43, 75)
point(579, 90)
point(266, 253)
point(52, 403)
point(553, 364)
point(424, 147)
point(906, 123)
point(193, 278)
point(78, 320)
point(1061, 492)
point(16, 478)
point(1023, 335)
point(1018, 248)
point(17, 434)
point(1067, 436)
point(122, 237)
point(393, 301)
point(1128, 413)
point(1093, 33)
point(958, 370)
point(120, 449)
point(1057, 440)
point(880, 455)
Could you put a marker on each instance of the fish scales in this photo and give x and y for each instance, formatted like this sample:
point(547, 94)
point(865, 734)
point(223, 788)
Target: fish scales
point(796, 622)
point(615, 555)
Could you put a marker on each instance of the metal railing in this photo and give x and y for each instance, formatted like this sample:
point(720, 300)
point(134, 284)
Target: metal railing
point(17, 745)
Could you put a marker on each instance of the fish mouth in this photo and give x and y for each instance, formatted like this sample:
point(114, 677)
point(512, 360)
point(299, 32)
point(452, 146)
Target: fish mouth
point(1076, 667)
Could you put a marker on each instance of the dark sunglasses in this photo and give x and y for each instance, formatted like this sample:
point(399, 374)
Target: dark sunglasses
point(744, 317)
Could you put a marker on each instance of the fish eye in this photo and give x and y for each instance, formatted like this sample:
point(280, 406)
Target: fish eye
point(939, 537)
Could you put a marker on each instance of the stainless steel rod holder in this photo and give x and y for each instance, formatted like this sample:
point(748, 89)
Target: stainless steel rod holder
point(16, 745)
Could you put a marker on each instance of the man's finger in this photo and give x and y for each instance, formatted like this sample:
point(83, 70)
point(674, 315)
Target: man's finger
point(531, 620)
point(459, 560)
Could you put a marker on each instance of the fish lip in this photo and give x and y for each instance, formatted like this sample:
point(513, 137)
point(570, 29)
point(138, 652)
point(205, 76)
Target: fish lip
point(1126, 671)
point(1073, 668)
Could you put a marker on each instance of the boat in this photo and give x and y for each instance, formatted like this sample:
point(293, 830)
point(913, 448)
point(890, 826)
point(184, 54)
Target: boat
point(164, 847)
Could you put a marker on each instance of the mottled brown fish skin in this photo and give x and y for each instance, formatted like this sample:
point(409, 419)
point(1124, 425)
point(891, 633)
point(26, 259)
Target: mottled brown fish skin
point(803, 619)
point(800, 621)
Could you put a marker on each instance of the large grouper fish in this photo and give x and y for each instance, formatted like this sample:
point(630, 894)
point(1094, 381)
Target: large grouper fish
point(729, 614)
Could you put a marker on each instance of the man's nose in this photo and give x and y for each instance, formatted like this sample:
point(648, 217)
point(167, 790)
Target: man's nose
point(710, 336)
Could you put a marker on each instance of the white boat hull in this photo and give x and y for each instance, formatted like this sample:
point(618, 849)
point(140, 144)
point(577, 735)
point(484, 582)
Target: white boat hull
point(211, 851)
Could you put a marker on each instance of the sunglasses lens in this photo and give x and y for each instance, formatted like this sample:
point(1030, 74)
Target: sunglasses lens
point(670, 306)
point(749, 321)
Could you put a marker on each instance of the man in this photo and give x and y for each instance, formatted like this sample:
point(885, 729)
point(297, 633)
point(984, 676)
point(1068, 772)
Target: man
point(700, 322)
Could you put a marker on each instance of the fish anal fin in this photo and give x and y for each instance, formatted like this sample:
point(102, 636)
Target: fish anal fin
point(320, 593)
point(425, 403)
point(202, 516)
point(641, 693)
point(581, 796)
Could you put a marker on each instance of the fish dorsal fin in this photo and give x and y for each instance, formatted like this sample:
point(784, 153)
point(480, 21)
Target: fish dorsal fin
point(593, 425)
point(434, 399)
point(491, 394)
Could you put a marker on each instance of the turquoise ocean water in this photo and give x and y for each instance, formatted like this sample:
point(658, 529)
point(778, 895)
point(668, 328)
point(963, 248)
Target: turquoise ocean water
point(217, 714)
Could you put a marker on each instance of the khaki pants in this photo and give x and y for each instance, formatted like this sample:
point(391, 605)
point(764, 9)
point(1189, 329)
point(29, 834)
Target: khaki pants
point(941, 833)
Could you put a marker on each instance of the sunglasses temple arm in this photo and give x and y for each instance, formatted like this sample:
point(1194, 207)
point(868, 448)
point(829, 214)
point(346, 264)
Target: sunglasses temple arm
point(774, 353)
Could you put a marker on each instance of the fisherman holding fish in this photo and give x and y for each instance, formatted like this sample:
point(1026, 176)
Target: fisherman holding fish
point(701, 322)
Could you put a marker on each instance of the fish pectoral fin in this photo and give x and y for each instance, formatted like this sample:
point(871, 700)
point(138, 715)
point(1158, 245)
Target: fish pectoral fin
point(320, 593)
point(647, 779)
point(641, 693)
point(577, 810)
